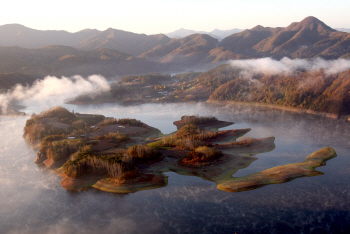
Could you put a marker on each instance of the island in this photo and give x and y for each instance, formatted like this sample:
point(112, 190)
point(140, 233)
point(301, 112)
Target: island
point(126, 155)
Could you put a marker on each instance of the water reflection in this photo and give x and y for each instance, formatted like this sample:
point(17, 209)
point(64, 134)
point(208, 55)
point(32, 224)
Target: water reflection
point(31, 203)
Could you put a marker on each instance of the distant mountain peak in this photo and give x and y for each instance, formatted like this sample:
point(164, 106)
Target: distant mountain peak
point(216, 33)
point(110, 30)
point(159, 36)
point(258, 28)
point(88, 30)
point(14, 25)
point(310, 19)
point(311, 23)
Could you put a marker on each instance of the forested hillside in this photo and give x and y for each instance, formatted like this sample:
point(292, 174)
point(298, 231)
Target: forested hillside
point(315, 90)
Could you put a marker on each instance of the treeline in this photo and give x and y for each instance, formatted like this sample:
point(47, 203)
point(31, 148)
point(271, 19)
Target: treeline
point(189, 137)
point(142, 153)
point(37, 128)
point(126, 121)
point(57, 147)
point(197, 120)
point(193, 131)
point(35, 132)
point(63, 149)
point(188, 143)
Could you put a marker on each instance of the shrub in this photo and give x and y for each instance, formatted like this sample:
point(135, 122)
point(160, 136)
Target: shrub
point(169, 141)
point(59, 112)
point(84, 162)
point(117, 137)
point(201, 154)
point(47, 142)
point(114, 136)
point(108, 121)
point(188, 143)
point(79, 124)
point(156, 144)
point(187, 131)
point(206, 135)
point(132, 122)
point(57, 147)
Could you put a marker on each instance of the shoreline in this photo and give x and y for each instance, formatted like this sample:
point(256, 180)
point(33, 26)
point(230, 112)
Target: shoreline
point(292, 109)
point(287, 108)
point(215, 102)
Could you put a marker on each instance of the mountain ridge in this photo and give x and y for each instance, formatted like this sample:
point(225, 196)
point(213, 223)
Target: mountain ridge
point(307, 38)
point(116, 52)
point(299, 39)
point(86, 39)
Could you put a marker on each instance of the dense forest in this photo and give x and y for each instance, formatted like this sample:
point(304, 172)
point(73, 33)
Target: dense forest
point(314, 90)
point(310, 90)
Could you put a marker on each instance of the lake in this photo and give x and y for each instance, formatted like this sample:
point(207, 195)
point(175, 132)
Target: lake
point(32, 200)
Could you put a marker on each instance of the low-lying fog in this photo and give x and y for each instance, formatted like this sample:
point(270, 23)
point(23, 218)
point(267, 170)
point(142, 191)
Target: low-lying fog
point(32, 200)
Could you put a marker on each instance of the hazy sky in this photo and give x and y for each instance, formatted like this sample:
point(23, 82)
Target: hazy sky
point(162, 16)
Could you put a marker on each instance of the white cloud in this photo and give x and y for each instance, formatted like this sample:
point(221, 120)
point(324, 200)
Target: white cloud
point(54, 91)
point(287, 66)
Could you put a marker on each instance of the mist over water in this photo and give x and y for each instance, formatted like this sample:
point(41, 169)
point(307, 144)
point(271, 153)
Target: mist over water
point(52, 91)
point(287, 66)
point(32, 200)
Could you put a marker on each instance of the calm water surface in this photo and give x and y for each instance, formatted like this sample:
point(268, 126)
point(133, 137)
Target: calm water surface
point(32, 200)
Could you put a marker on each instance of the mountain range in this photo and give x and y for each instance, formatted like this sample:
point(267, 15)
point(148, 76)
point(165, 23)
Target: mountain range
point(306, 39)
point(88, 39)
point(115, 52)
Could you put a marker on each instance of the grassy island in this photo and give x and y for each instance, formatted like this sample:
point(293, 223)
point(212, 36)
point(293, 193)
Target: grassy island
point(126, 155)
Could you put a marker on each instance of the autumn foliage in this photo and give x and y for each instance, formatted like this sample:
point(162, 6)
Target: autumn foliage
point(200, 155)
